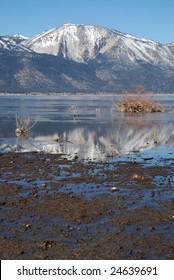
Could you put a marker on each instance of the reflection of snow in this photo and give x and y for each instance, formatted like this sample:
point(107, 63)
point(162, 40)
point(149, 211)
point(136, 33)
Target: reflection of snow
point(53, 137)
point(120, 140)
point(145, 137)
point(93, 144)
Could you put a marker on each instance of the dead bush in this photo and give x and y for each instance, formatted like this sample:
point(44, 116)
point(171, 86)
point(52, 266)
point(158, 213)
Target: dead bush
point(138, 104)
point(24, 124)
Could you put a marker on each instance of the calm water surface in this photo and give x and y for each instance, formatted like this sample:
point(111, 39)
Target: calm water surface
point(87, 127)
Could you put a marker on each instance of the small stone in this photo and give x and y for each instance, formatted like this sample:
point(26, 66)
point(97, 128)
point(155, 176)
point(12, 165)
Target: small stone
point(135, 176)
point(151, 228)
point(27, 226)
point(114, 189)
point(138, 228)
point(139, 177)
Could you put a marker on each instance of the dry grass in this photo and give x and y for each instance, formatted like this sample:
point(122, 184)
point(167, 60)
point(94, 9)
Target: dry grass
point(138, 104)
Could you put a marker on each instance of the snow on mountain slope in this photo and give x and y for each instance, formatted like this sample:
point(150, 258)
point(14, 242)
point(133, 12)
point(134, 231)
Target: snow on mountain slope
point(12, 43)
point(17, 38)
point(76, 42)
point(171, 47)
point(83, 43)
point(129, 49)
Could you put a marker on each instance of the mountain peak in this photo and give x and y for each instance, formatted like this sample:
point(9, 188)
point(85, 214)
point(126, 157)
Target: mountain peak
point(73, 41)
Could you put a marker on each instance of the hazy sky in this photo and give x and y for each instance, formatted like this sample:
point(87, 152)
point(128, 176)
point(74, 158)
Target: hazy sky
point(152, 19)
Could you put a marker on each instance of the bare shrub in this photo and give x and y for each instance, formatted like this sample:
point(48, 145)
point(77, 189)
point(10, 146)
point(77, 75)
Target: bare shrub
point(24, 124)
point(74, 110)
point(138, 104)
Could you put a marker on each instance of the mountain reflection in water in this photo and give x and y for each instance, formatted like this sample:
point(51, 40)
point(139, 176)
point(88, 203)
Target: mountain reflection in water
point(120, 139)
point(95, 131)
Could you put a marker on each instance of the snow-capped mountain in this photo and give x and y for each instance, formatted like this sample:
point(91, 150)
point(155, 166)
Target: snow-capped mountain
point(84, 58)
point(83, 43)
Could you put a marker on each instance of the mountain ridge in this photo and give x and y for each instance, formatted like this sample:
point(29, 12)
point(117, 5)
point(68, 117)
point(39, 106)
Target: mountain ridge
point(13, 43)
point(84, 42)
point(85, 58)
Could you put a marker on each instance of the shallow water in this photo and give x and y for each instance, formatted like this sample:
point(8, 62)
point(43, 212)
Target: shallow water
point(87, 127)
point(115, 148)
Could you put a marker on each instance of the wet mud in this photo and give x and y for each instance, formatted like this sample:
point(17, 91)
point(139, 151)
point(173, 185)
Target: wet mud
point(55, 208)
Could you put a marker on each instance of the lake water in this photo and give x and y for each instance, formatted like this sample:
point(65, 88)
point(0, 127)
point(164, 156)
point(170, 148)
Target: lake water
point(87, 127)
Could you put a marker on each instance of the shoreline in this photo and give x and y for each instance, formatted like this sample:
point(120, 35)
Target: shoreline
point(85, 94)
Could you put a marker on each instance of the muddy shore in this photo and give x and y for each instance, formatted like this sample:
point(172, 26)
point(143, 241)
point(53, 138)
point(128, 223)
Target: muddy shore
point(55, 208)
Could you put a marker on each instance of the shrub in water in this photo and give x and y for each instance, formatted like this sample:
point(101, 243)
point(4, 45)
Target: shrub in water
point(138, 104)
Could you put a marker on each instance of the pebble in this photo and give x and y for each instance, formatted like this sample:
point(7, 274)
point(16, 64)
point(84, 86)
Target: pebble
point(151, 228)
point(138, 177)
point(27, 226)
point(135, 176)
point(114, 189)
point(138, 228)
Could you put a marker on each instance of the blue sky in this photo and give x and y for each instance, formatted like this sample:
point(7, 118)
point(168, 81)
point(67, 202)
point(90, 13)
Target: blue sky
point(143, 18)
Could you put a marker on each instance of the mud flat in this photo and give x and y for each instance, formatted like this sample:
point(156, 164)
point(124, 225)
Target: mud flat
point(55, 208)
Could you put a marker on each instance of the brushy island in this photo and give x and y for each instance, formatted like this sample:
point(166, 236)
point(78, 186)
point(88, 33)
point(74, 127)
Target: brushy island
point(138, 104)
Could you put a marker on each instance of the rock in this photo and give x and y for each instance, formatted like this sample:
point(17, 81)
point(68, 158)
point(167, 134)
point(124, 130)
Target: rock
point(114, 189)
point(135, 176)
point(139, 177)
point(138, 228)
point(151, 228)
point(27, 226)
